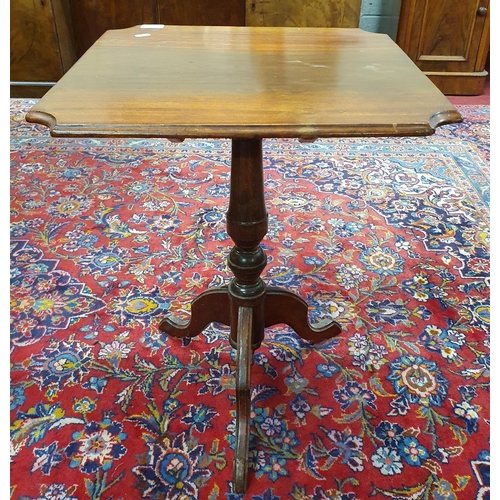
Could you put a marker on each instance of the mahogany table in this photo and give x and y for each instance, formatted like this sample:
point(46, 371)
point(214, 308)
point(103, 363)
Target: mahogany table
point(246, 84)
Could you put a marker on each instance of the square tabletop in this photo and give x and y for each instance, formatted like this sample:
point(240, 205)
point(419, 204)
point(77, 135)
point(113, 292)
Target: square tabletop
point(243, 82)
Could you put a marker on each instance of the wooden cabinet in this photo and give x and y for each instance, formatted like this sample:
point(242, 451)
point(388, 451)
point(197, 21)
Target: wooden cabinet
point(41, 48)
point(449, 41)
point(48, 36)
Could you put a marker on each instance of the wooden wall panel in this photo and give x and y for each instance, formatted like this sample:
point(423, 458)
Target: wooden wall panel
point(34, 48)
point(64, 31)
point(313, 13)
point(202, 12)
point(92, 18)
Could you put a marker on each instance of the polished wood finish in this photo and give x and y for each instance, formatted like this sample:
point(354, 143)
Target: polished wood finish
point(243, 82)
point(48, 36)
point(243, 400)
point(285, 307)
point(317, 13)
point(46, 31)
point(459, 83)
point(247, 225)
point(247, 305)
point(448, 41)
point(212, 306)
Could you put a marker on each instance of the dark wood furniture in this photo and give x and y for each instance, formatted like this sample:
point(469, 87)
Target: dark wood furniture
point(41, 45)
point(449, 41)
point(300, 13)
point(48, 36)
point(245, 84)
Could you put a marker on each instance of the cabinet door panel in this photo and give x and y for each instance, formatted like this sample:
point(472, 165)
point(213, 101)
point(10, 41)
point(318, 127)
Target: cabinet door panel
point(438, 40)
point(444, 35)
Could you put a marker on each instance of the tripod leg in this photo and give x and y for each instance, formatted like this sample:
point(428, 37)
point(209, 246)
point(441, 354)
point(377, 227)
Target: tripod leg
point(243, 365)
point(212, 306)
point(285, 307)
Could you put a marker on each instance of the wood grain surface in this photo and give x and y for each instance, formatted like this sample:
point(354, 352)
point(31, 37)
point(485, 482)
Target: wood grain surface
point(243, 82)
point(36, 32)
point(312, 13)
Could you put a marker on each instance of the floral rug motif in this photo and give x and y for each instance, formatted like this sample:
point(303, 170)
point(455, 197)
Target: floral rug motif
point(389, 237)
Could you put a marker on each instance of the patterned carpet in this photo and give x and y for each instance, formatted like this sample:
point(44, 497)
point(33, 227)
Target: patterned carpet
point(390, 237)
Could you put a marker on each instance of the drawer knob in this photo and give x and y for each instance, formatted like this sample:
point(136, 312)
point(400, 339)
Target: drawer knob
point(482, 11)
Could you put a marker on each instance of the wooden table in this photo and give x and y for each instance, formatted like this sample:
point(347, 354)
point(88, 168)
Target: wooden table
point(245, 84)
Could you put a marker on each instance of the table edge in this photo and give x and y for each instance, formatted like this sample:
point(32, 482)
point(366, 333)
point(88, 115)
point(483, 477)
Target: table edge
point(179, 132)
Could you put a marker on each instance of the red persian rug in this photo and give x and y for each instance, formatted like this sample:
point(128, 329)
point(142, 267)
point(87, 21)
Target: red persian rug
point(387, 236)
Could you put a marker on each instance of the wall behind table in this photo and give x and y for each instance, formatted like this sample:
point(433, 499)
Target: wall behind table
point(380, 16)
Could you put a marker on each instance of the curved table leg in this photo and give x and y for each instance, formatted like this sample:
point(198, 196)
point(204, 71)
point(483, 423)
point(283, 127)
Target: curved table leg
point(247, 305)
point(243, 364)
point(285, 307)
point(212, 306)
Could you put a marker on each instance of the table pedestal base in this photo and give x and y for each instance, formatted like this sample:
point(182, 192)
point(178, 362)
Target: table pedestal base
point(247, 305)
